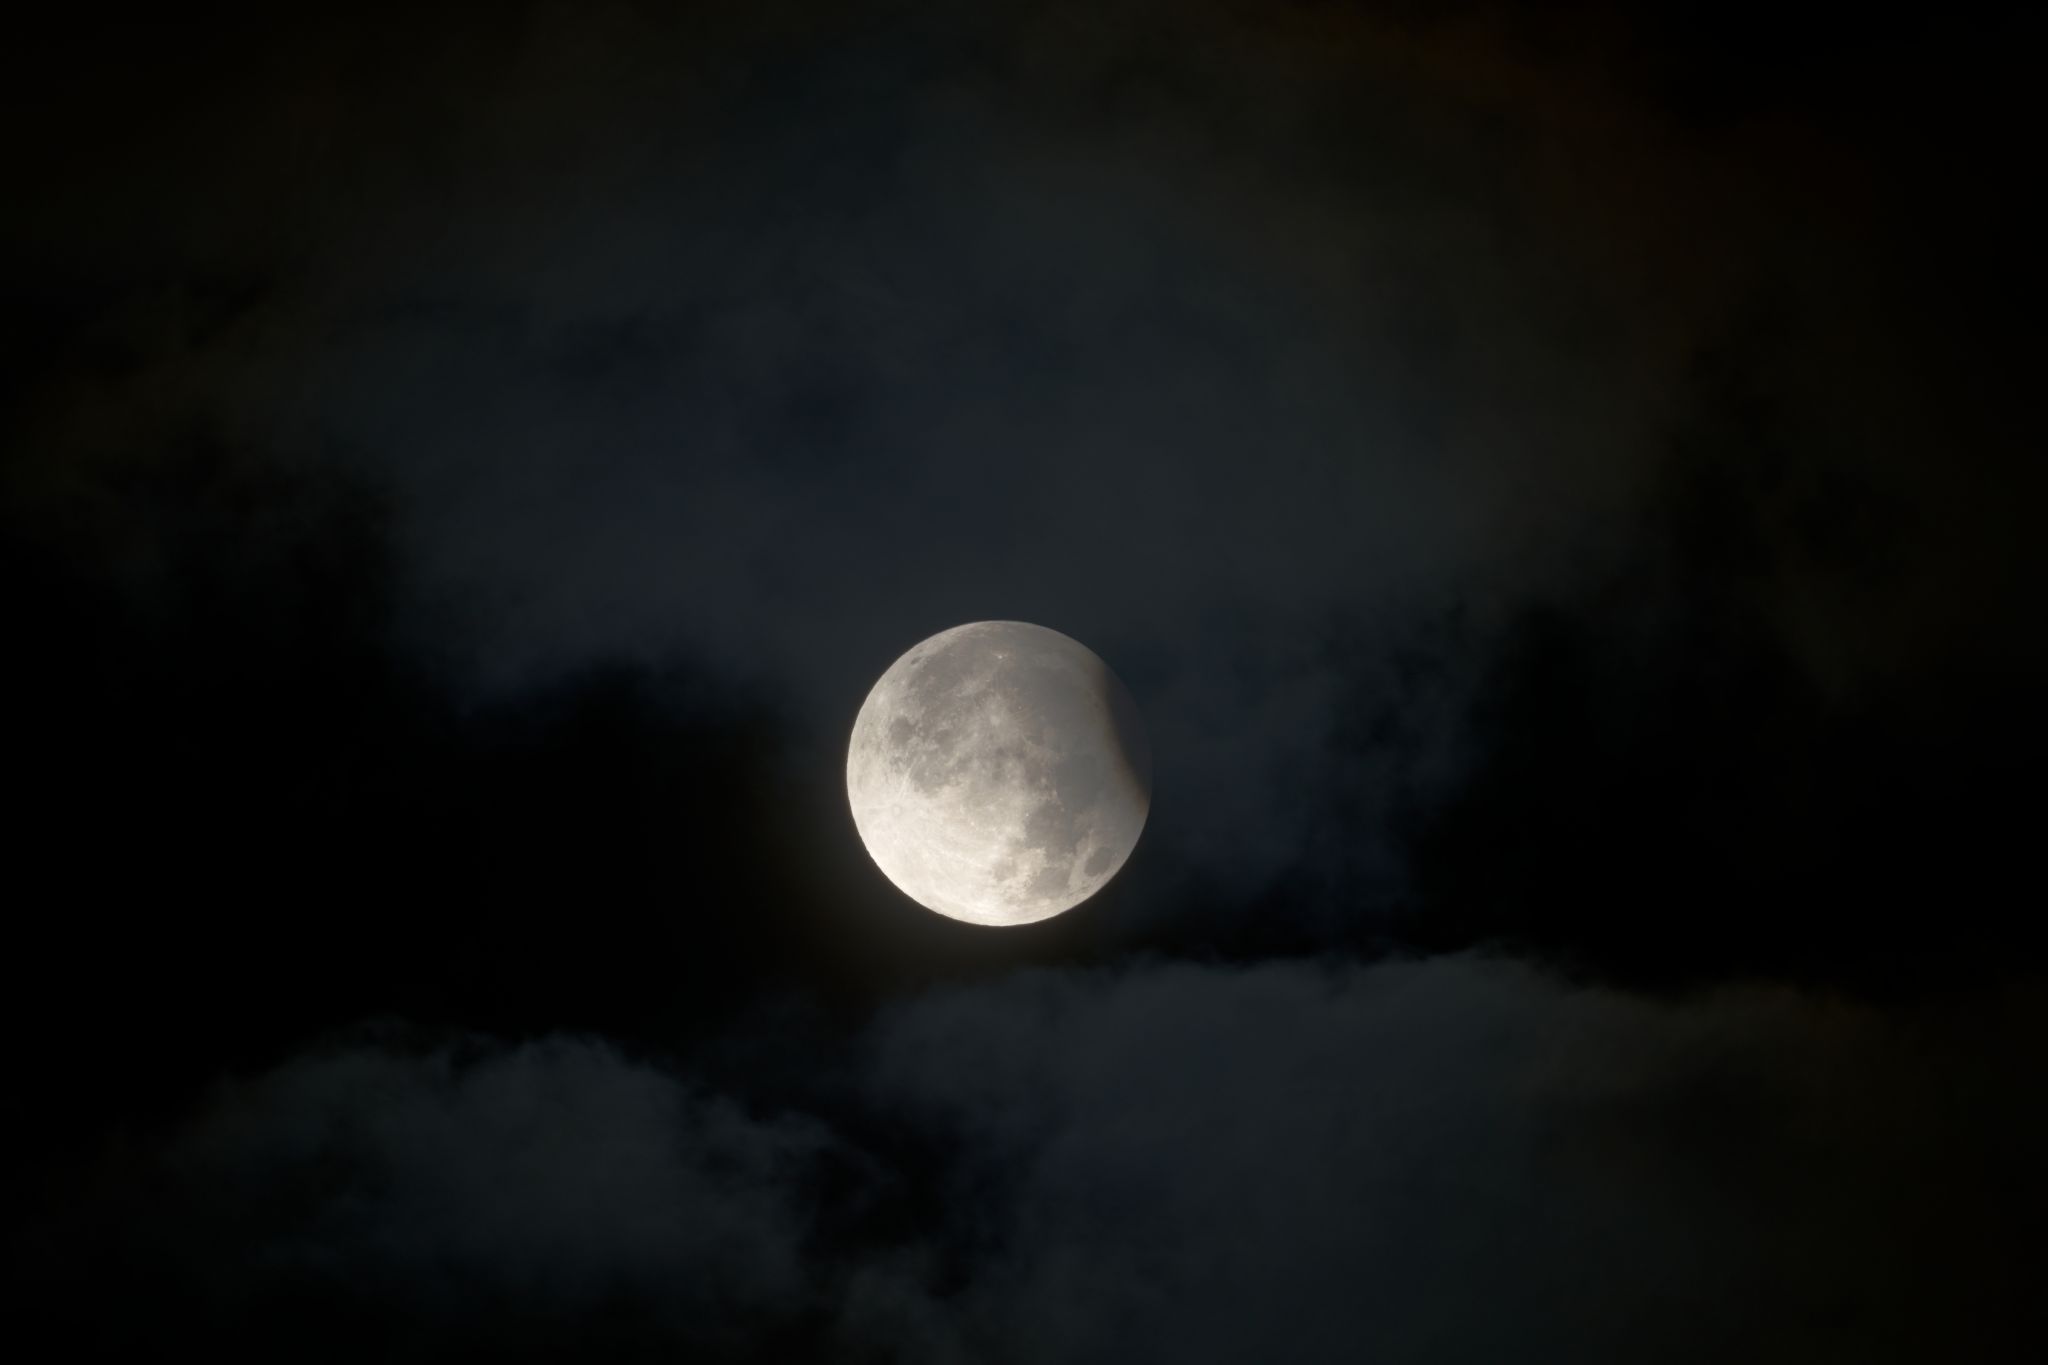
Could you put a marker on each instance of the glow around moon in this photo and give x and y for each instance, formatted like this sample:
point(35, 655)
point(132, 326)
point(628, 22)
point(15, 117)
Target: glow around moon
point(998, 773)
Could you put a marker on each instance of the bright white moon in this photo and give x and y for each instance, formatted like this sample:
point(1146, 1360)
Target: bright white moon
point(998, 773)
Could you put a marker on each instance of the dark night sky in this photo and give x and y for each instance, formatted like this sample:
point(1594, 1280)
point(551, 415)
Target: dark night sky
point(1559, 481)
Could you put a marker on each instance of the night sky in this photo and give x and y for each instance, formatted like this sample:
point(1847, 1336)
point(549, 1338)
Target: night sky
point(1560, 481)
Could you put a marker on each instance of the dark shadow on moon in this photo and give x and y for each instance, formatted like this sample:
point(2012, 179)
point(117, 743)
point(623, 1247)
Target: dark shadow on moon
point(1133, 751)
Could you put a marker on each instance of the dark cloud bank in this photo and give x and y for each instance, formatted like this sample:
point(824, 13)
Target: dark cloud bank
point(1558, 485)
point(1456, 1159)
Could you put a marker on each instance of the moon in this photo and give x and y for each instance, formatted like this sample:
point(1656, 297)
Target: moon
point(998, 773)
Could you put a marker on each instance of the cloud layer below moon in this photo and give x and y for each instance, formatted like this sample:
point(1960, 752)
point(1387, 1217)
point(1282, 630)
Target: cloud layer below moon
point(1451, 1160)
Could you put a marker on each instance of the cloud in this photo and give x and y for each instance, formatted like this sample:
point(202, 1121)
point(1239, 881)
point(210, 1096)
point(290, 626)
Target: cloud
point(485, 1192)
point(1461, 1159)
point(1451, 1159)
